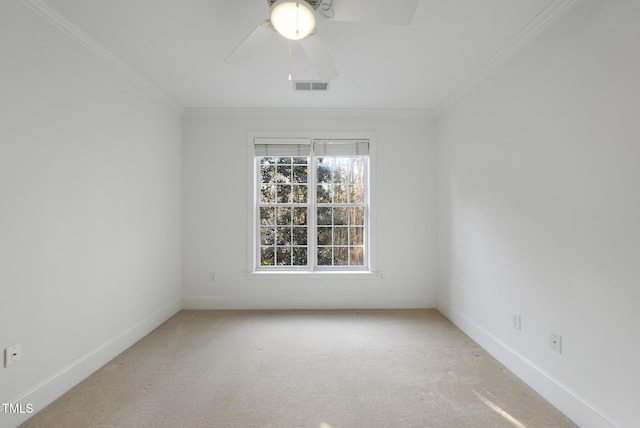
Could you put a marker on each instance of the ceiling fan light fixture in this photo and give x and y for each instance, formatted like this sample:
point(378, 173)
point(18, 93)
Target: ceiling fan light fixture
point(294, 20)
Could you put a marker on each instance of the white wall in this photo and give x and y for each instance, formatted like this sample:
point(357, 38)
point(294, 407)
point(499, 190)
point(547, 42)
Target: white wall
point(539, 212)
point(90, 233)
point(215, 201)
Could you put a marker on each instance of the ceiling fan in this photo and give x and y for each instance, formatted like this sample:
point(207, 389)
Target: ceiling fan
point(295, 20)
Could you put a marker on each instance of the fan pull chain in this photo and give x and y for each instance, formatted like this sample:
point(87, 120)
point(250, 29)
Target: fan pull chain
point(297, 19)
point(289, 59)
point(297, 33)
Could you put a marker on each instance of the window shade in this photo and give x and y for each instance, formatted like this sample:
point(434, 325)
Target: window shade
point(282, 146)
point(341, 147)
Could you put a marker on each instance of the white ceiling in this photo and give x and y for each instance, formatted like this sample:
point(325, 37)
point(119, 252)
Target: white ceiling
point(179, 46)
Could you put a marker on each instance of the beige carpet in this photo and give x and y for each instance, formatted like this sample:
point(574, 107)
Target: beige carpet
point(321, 369)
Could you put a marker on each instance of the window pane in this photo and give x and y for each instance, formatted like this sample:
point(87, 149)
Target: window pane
point(300, 256)
point(356, 216)
point(340, 236)
point(284, 174)
point(283, 256)
point(267, 256)
point(301, 161)
point(323, 172)
point(323, 194)
point(340, 194)
point(340, 216)
point(356, 194)
point(283, 235)
point(356, 236)
point(300, 174)
point(268, 173)
point(340, 172)
point(267, 235)
point(299, 236)
point(356, 173)
point(324, 236)
point(284, 193)
point(324, 256)
point(324, 215)
point(341, 256)
point(283, 216)
point(299, 194)
point(267, 193)
point(284, 160)
point(356, 256)
point(267, 215)
point(300, 216)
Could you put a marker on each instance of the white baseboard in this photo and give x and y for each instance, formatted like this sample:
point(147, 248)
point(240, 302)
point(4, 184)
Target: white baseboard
point(251, 303)
point(569, 402)
point(57, 384)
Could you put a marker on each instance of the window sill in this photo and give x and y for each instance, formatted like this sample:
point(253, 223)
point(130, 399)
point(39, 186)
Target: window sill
point(315, 275)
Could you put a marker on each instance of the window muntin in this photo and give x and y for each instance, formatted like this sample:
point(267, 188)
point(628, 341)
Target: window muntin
point(283, 210)
point(312, 211)
point(340, 211)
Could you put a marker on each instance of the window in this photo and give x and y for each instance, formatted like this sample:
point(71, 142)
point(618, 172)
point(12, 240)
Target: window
point(311, 205)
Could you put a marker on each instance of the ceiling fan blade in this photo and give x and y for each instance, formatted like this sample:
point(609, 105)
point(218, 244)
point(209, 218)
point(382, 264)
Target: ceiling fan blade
point(317, 52)
point(396, 12)
point(251, 44)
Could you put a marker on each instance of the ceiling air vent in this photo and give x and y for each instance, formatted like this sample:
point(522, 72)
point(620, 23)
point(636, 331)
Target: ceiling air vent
point(307, 85)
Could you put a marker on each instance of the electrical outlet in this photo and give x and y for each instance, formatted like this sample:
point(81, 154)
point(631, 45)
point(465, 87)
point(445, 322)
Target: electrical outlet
point(556, 343)
point(515, 321)
point(212, 276)
point(12, 354)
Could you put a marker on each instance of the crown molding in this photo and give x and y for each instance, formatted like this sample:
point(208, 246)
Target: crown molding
point(548, 16)
point(58, 21)
point(313, 113)
point(537, 25)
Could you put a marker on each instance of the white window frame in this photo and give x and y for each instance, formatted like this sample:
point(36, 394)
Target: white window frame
point(253, 271)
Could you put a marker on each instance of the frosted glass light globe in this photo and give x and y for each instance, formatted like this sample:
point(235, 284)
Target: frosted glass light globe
point(293, 20)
